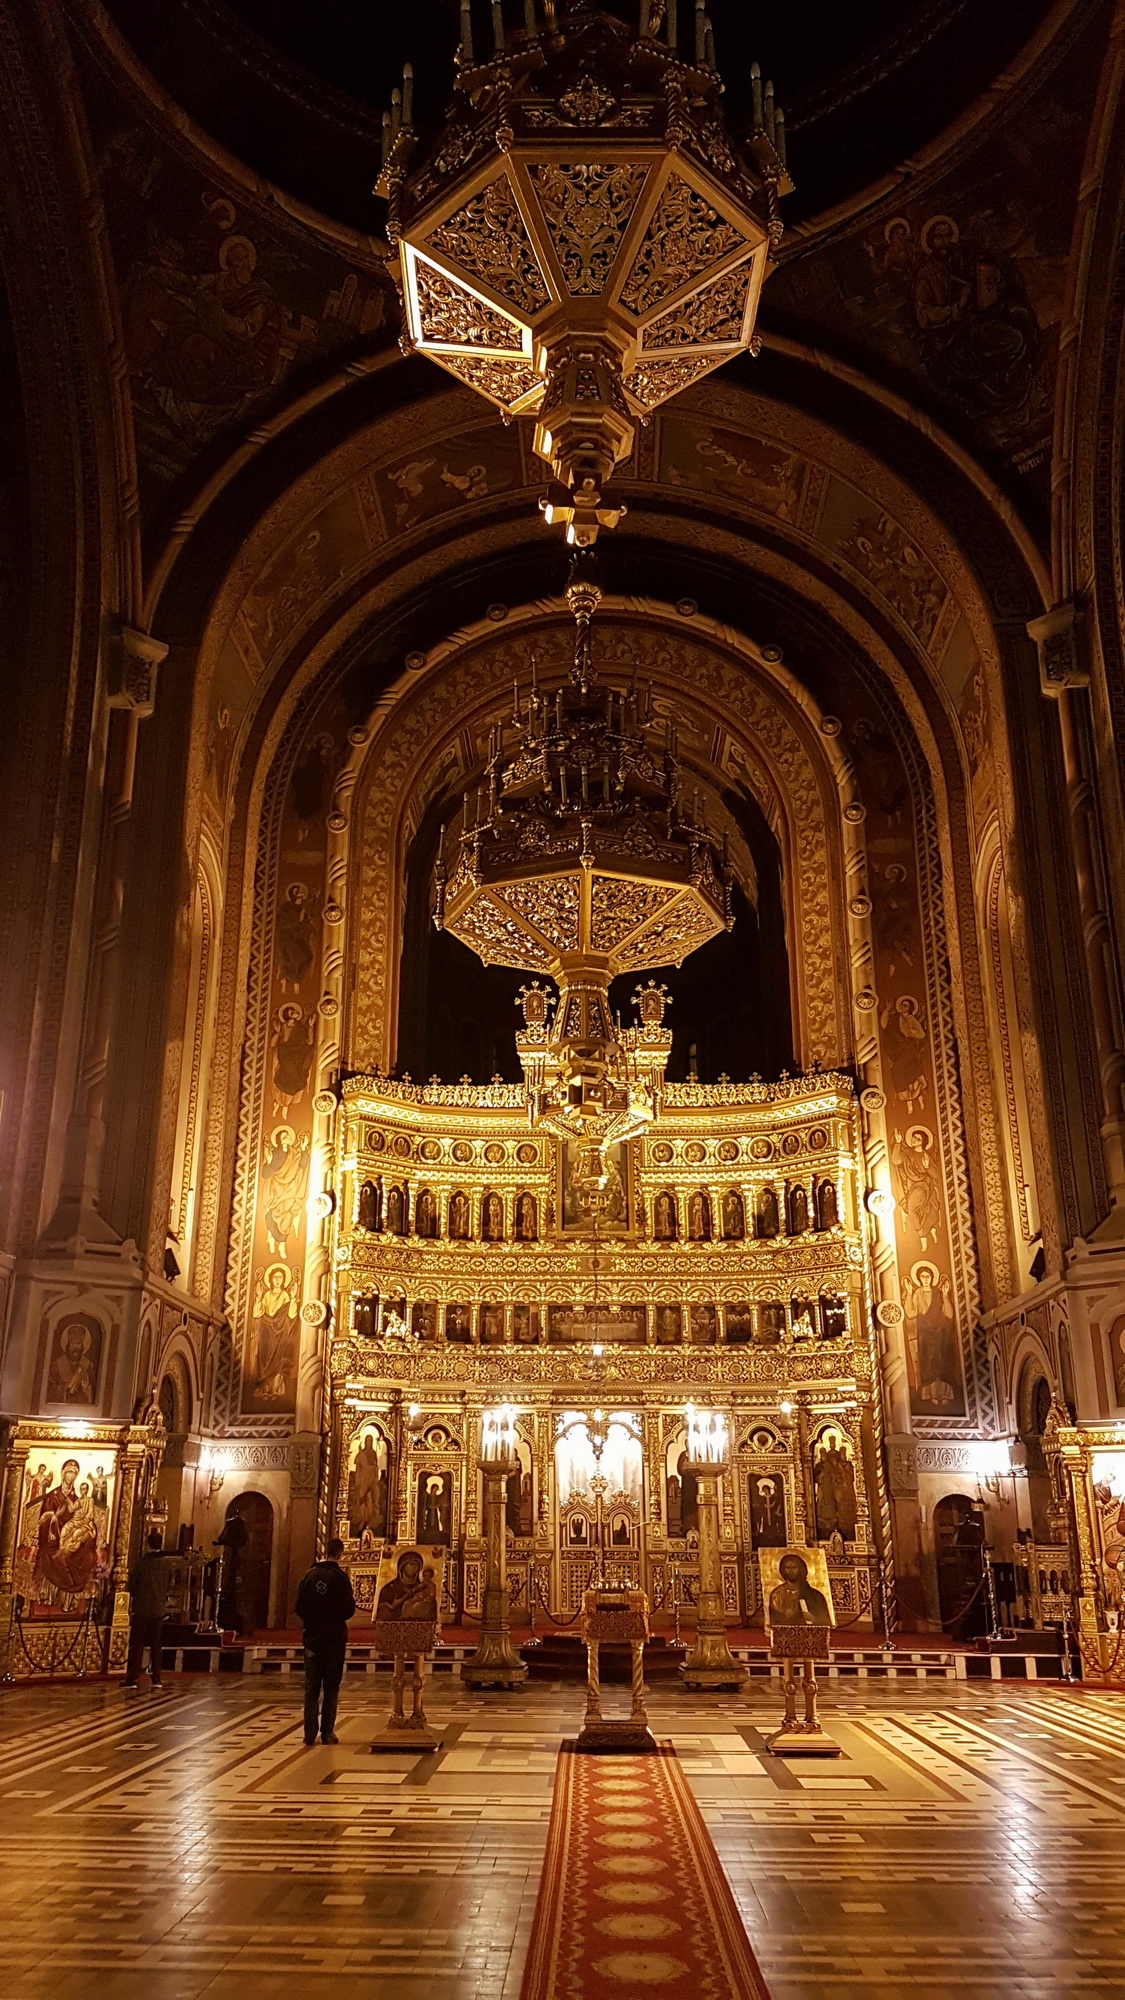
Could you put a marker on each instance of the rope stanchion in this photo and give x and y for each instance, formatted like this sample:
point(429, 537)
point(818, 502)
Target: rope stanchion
point(55, 1662)
point(1094, 1665)
point(553, 1616)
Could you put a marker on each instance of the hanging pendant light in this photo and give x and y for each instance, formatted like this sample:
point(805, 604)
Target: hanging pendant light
point(585, 238)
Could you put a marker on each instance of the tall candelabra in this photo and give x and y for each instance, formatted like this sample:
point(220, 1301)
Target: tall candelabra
point(495, 1663)
point(710, 1664)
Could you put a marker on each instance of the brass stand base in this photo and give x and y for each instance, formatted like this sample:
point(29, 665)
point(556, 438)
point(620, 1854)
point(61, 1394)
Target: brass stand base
point(624, 1738)
point(710, 1680)
point(405, 1736)
point(796, 1741)
point(498, 1676)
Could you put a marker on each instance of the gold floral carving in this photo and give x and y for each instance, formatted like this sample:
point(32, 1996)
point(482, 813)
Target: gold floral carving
point(669, 939)
point(505, 382)
point(499, 940)
point(454, 317)
point(654, 382)
point(550, 904)
point(715, 313)
point(489, 240)
point(619, 907)
point(587, 208)
point(685, 238)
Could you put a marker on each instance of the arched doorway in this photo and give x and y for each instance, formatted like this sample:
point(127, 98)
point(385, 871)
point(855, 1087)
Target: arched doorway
point(247, 1539)
point(174, 1400)
point(1034, 1410)
point(959, 1535)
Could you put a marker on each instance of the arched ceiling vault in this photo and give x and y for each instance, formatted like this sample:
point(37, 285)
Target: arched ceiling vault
point(762, 514)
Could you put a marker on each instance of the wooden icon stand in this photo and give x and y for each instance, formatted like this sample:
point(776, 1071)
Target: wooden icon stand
point(400, 1640)
point(807, 1644)
point(613, 1615)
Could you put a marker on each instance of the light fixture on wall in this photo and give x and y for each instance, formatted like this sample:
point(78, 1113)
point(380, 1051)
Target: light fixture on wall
point(991, 1460)
point(216, 1464)
point(585, 237)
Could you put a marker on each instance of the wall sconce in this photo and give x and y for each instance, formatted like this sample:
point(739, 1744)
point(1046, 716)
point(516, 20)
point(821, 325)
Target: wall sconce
point(216, 1464)
point(991, 1461)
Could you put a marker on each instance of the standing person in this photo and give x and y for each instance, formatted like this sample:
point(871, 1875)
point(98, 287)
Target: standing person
point(324, 1605)
point(148, 1598)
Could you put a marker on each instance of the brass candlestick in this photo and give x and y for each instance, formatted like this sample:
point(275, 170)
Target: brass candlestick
point(710, 1664)
point(495, 1663)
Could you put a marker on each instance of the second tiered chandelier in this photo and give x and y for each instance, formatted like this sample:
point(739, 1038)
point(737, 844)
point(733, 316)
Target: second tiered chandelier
point(583, 857)
point(585, 238)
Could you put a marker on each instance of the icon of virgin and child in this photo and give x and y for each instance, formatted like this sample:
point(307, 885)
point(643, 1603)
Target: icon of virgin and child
point(408, 1587)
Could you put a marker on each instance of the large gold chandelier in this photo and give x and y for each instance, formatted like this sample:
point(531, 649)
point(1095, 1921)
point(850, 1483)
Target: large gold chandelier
point(583, 857)
point(585, 238)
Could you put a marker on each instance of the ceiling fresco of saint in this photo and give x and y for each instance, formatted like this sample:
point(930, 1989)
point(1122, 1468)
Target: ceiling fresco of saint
point(284, 578)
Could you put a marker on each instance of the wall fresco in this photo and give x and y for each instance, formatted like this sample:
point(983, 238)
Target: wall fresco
point(219, 304)
point(962, 289)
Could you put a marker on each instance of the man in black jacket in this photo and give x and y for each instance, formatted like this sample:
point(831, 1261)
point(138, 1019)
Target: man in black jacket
point(324, 1605)
point(149, 1583)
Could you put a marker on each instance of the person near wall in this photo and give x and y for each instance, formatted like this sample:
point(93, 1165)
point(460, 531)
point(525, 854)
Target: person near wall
point(324, 1605)
point(149, 1584)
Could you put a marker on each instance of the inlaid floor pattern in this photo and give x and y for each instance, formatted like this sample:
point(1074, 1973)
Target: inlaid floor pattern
point(968, 1842)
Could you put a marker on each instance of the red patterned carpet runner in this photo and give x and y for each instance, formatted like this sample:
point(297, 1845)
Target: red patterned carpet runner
point(632, 1899)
